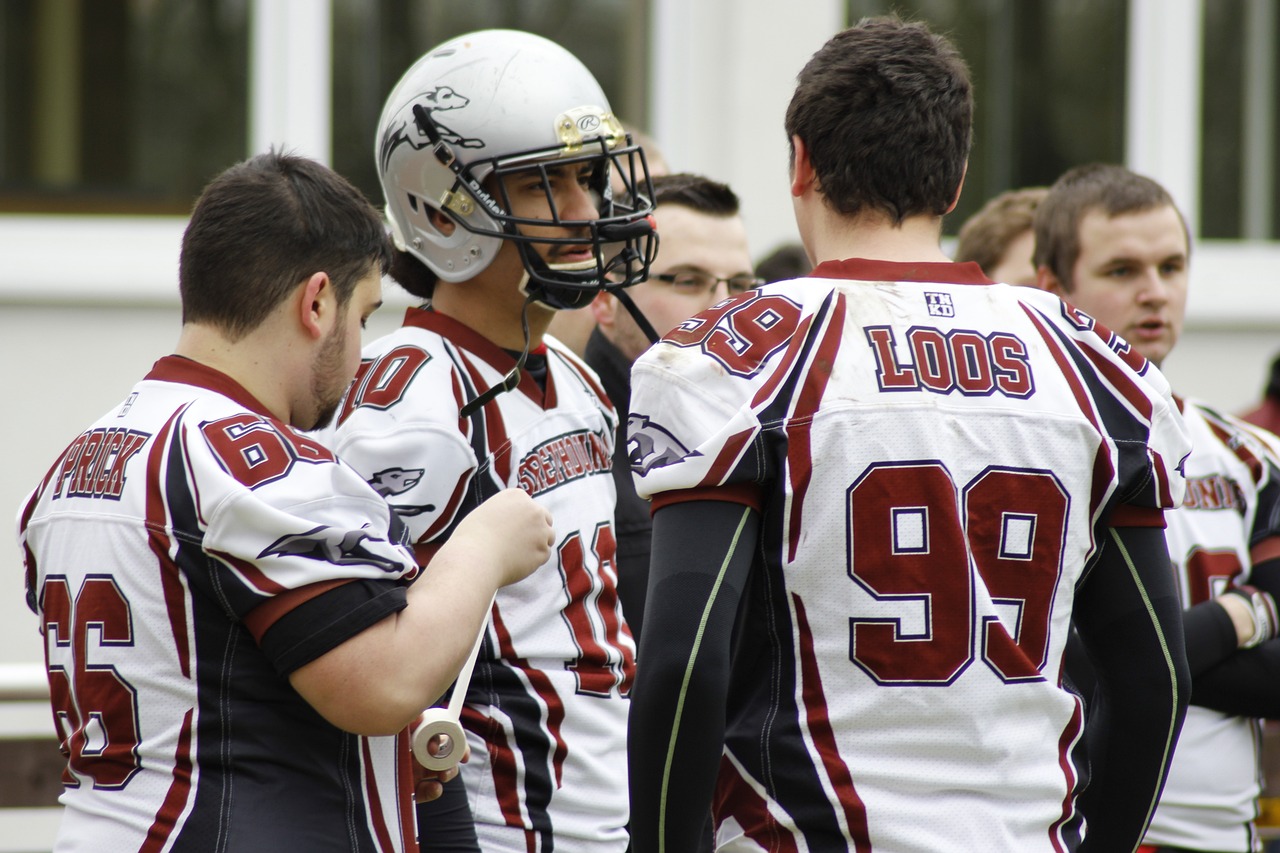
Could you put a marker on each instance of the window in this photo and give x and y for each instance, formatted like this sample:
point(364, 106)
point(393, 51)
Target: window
point(1239, 173)
point(1049, 85)
point(111, 106)
point(375, 43)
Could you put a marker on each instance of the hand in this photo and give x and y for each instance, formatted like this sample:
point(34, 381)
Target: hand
point(512, 530)
point(428, 785)
point(1252, 612)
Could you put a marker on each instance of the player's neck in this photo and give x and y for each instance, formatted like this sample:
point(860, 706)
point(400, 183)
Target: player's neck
point(264, 371)
point(875, 237)
point(493, 311)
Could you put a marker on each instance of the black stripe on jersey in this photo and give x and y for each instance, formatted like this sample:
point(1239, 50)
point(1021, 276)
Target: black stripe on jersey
point(780, 406)
point(1126, 429)
point(765, 737)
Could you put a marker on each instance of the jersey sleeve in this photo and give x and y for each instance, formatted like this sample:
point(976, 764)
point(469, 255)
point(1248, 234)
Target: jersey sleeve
point(412, 449)
point(692, 428)
point(269, 523)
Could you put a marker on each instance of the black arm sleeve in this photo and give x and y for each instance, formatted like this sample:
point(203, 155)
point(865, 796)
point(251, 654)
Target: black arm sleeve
point(1129, 619)
point(1210, 636)
point(1266, 577)
point(702, 556)
point(1247, 684)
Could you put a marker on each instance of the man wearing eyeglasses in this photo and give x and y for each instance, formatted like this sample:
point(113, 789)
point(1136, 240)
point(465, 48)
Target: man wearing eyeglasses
point(702, 258)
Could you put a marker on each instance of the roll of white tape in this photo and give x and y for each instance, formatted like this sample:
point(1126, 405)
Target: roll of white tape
point(439, 722)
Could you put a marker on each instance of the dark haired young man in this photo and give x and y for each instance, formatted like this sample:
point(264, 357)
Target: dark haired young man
point(881, 494)
point(1113, 244)
point(233, 644)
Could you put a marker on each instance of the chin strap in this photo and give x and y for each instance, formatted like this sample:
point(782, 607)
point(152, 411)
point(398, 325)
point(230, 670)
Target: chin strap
point(512, 379)
point(636, 314)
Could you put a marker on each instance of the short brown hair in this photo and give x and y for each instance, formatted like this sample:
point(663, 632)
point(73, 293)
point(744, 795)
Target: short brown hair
point(985, 236)
point(1112, 189)
point(885, 109)
point(264, 226)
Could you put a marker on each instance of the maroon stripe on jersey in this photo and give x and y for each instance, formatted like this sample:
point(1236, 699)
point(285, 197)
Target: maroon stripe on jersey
point(502, 764)
point(747, 494)
point(1070, 736)
point(158, 541)
point(728, 456)
point(495, 429)
point(451, 508)
point(800, 422)
point(783, 368)
point(542, 688)
point(464, 424)
point(736, 798)
point(819, 722)
point(1267, 549)
point(589, 380)
point(1121, 381)
point(1103, 468)
point(1164, 490)
point(404, 776)
point(1239, 448)
point(373, 803)
point(260, 619)
point(175, 800)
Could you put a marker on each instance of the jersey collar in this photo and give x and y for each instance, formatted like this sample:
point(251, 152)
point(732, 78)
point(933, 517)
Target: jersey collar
point(495, 356)
point(864, 269)
point(185, 371)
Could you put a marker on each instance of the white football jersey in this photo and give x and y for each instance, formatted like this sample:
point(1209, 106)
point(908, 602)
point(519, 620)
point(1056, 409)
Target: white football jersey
point(547, 706)
point(934, 457)
point(184, 555)
point(1232, 503)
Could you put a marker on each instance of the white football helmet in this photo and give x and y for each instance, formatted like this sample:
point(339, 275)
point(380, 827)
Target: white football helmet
point(494, 102)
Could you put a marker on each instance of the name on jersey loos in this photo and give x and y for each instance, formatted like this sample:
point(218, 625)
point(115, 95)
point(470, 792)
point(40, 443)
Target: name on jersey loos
point(562, 460)
point(957, 360)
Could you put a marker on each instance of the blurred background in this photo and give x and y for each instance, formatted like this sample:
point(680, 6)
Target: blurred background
point(114, 113)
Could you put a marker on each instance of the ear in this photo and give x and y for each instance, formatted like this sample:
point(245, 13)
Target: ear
point(604, 308)
point(317, 305)
point(959, 187)
point(1047, 280)
point(802, 176)
point(440, 221)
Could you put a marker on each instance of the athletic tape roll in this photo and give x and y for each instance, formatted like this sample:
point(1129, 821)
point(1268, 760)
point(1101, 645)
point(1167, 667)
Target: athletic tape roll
point(453, 744)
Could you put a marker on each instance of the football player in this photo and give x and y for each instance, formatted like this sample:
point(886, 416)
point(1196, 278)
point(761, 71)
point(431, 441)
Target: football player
point(233, 644)
point(881, 494)
point(495, 151)
point(1113, 244)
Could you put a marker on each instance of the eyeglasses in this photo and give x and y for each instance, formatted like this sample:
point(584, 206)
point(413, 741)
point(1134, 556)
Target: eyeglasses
point(697, 283)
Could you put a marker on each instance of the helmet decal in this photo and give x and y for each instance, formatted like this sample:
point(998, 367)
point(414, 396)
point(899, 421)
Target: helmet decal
point(439, 99)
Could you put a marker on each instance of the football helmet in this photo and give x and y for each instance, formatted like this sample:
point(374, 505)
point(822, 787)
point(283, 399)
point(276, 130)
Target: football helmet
point(476, 110)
